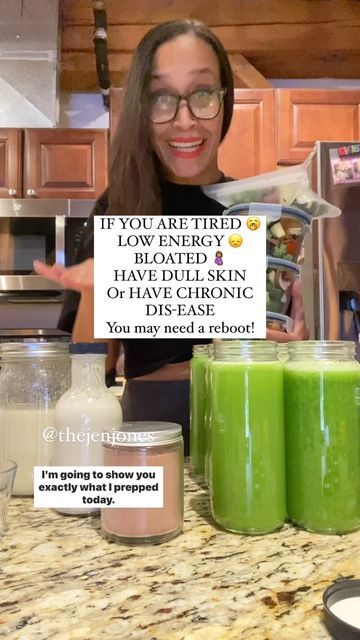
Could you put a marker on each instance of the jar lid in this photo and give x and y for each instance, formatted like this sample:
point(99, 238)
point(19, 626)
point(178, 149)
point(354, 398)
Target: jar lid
point(342, 609)
point(88, 347)
point(143, 433)
point(273, 211)
point(36, 349)
point(285, 265)
point(285, 321)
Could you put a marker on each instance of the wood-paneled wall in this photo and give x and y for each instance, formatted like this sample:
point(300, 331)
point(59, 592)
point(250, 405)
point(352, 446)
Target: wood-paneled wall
point(280, 38)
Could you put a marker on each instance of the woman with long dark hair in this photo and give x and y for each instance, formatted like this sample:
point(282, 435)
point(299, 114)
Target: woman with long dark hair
point(177, 108)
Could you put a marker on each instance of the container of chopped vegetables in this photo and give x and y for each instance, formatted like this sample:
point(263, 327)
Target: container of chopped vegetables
point(288, 187)
point(286, 228)
point(280, 275)
point(315, 206)
point(274, 187)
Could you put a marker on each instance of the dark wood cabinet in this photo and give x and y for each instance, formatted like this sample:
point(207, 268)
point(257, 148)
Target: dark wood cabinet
point(10, 163)
point(304, 116)
point(53, 163)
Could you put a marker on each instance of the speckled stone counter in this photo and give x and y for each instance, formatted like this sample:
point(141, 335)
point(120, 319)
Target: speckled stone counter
point(60, 579)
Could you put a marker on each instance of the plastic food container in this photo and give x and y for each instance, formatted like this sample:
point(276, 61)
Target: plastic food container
point(275, 187)
point(279, 322)
point(286, 228)
point(279, 276)
point(309, 202)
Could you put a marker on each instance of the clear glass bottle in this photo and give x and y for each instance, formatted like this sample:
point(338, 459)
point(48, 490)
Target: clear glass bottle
point(141, 445)
point(33, 377)
point(247, 449)
point(84, 412)
point(198, 407)
point(322, 426)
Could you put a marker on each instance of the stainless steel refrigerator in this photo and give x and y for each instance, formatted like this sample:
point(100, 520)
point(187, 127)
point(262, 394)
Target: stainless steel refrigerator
point(331, 269)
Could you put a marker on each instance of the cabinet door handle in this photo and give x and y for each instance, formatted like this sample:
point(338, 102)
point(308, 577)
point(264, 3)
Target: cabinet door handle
point(12, 192)
point(30, 192)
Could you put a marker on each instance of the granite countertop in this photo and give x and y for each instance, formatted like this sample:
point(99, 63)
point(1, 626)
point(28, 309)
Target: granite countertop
point(60, 579)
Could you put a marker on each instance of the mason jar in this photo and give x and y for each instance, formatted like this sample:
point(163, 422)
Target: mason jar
point(141, 445)
point(283, 351)
point(247, 450)
point(33, 377)
point(322, 426)
point(208, 412)
point(198, 406)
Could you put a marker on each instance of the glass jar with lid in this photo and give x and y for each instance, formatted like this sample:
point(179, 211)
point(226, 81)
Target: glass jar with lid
point(247, 449)
point(141, 445)
point(33, 377)
point(322, 426)
point(198, 406)
point(208, 412)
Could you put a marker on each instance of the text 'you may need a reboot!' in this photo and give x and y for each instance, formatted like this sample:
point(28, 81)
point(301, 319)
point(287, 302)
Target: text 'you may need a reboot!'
point(182, 277)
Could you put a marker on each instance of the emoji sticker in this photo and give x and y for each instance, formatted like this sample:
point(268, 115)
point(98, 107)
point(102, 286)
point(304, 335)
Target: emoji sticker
point(253, 223)
point(235, 240)
point(218, 258)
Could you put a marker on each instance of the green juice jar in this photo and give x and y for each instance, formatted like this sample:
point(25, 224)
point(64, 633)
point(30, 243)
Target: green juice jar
point(198, 407)
point(247, 449)
point(322, 427)
point(208, 411)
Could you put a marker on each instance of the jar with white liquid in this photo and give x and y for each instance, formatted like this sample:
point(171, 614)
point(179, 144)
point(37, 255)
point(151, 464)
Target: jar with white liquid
point(33, 377)
point(84, 412)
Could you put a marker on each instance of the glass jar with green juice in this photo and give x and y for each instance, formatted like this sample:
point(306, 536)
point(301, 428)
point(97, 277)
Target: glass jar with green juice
point(247, 448)
point(322, 427)
point(198, 407)
point(208, 411)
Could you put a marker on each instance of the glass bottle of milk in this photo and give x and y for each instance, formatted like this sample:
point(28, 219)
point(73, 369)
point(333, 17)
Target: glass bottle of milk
point(84, 412)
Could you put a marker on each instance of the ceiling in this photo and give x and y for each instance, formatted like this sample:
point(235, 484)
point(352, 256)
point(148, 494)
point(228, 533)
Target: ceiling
point(277, 38)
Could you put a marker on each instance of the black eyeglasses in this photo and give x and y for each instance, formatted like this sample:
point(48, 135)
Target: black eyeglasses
point(203, 104)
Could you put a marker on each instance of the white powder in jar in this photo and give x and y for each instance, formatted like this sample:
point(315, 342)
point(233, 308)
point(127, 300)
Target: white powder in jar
point(348, 610)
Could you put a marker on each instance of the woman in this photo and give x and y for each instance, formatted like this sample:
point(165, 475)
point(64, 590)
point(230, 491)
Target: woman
point(177, 108)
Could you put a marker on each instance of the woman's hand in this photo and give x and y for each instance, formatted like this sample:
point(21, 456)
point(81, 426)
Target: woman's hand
point(300, 330)
point(80, 277)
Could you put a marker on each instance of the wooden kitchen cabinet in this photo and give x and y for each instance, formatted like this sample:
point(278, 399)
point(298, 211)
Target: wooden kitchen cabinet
point(65, 163)
point(55, 163)
point(10, 163)
point(306, 115)
point(249, 146)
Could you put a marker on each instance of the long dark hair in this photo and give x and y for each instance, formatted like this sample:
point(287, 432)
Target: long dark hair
point(135, 171)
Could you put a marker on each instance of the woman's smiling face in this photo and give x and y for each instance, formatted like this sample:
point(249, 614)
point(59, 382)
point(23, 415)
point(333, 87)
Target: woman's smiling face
point(187, 147)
